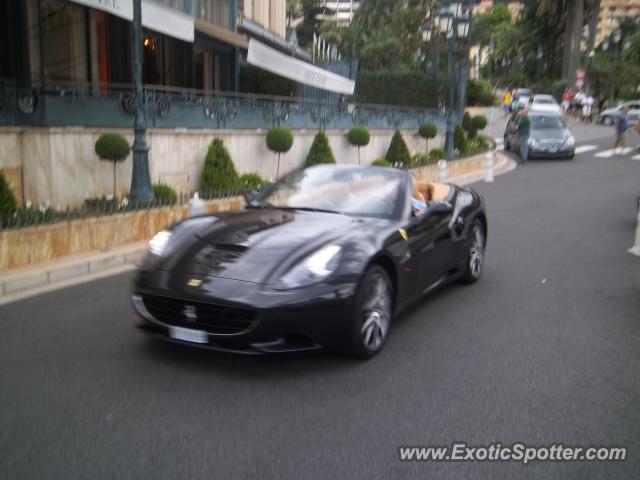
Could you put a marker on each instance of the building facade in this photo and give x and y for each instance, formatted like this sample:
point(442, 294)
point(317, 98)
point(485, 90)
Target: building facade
point(340, 10)
point(611, 12)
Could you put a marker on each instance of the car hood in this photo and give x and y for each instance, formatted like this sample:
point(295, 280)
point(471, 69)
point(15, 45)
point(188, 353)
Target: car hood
point(249, 245)
point(552, 135)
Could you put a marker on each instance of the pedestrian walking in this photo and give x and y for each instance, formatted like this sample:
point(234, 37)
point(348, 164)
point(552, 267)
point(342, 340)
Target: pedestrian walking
point(566, 102)
point(578, 102)
point(506, 102)
point(622, 124)
point(524, 129)
point(587, 107)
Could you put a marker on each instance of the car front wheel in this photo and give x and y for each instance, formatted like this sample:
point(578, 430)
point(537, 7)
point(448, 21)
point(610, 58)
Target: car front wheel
point(372, 312)
point(607, 120)
point(475, 253)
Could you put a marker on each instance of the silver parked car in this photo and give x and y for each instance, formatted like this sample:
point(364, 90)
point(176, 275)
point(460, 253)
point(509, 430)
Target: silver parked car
point(609, 115)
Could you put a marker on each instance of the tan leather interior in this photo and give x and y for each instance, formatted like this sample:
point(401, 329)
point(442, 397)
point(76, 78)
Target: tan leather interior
point(432, 191)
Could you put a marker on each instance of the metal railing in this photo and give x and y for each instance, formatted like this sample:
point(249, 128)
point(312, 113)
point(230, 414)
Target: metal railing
point(60, 104)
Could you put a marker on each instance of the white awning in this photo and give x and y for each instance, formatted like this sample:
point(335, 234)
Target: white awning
point(155, 16)
point(276, 62)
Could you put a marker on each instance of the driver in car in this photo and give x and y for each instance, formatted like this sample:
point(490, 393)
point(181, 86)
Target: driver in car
point(418, 202)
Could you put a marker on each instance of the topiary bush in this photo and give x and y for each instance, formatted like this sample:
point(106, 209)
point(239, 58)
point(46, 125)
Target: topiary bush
point(360, 137)
point(164, 194)
point(466, 122)
point(480, 93)
point(251, 181)
point(479, 122)
point(381, 163)
point(218, 175)
point(428, 130)
point(459, 139)
point(436, 154)
point(398, 153)
point(279, 140)
point(8, 203)
point(112, 147)
point(320, 151)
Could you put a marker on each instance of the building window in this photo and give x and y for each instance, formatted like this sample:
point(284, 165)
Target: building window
point(64, 41)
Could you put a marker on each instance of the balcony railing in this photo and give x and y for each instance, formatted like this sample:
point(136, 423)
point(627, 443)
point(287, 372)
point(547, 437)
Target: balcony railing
point(113, 106)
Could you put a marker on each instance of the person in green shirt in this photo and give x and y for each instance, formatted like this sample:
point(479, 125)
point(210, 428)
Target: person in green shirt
point(524, 128)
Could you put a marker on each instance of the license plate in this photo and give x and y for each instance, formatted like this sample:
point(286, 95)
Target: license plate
point(188, 335)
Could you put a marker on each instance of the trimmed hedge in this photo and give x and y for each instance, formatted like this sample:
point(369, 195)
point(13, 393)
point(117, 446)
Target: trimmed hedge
point(459, 139)
point(320, 151)
point(436, 154)
point(404, 88)
point(164, 194)
point(251, 181)
point(398, 153)
point(381, 163)
point(8, 203)
point(480, 93)
point(428, 130)
point(112, 147)
point(219, 174)
point(360, 137)
point(279, 139)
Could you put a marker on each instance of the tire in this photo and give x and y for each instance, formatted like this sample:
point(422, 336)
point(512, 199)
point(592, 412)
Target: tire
point(474, 261)
point(372, 313)
point(607, 120)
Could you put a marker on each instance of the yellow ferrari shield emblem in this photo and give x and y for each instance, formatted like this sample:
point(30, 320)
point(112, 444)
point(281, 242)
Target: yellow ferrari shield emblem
point(194, 282)
point(403, 234)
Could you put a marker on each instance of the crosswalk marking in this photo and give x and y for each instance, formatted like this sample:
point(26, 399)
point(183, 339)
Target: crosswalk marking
point(613, 152)
point(585, 148)
point(635, 157)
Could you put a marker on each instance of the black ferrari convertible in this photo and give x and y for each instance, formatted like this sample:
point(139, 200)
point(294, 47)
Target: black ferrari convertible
point(324, 258)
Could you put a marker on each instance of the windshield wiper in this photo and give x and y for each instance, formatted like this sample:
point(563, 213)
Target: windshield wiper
point(312, 209)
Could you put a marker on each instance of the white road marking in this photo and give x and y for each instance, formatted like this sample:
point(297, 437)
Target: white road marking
point(585, 148)
point(613, 153)
point(635, 157)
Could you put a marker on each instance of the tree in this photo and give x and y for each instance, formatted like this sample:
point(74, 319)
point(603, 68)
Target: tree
point(311, 10)
point(219, 174)
point(428, 130)
point(279, 140)
point(112, 147)
point(320, 151)
point(8, 204)
point(398, 152)
point(359, 136)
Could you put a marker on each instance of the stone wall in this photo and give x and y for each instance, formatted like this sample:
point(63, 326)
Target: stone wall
point(59, 165)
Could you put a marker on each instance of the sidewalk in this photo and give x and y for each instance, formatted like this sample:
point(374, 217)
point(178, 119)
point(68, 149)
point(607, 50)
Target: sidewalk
point(21, 283)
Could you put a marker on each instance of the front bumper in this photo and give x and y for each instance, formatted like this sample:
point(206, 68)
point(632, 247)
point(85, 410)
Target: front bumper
point(535, 152)
point(303, 319)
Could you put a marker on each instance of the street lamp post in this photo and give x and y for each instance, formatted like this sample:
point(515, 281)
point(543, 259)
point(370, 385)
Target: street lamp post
point(141, 191)
point(454, 22)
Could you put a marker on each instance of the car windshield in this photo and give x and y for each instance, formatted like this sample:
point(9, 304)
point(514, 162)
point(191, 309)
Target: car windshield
point(543, 101)
point(354, 191)
point(540, 122)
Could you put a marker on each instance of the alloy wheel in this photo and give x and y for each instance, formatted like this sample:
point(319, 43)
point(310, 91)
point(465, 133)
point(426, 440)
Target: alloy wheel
point(376, 312)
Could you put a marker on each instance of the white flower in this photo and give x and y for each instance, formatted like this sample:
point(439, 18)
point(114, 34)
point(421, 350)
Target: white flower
point(125, 202)
point(27, 204)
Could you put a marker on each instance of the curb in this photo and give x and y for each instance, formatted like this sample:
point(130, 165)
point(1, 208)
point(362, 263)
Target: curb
point(41, 278)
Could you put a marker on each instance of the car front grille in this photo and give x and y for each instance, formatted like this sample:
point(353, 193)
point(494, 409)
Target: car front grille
point(212, 318)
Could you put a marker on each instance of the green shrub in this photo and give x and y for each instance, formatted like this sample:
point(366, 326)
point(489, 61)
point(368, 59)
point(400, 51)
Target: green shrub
point(459, 139)
point(398, 153)
point(218, 175)
point(480, 93)
point(381, 163)
point(164, 194)
point(466, 122)
point(251, 181)
point(422, 160)
point(436, 154)
point(320, 151)
point(8, 203)
point(100, 205)
point(279, 140)
point(360, 137)
point(112, 147)
point(392, 87)
point(428, 130)
point(479, 122)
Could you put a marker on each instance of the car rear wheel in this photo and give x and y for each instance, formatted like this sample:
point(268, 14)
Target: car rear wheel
point(372, 313)
point(475, 253)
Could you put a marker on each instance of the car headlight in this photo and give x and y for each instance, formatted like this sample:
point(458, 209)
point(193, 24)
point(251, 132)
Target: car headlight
point(316, 267)
point(159, 242)
point(570, 141)
point(533, 143)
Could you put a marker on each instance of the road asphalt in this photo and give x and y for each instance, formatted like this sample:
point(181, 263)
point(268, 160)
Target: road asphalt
point(544, 349)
